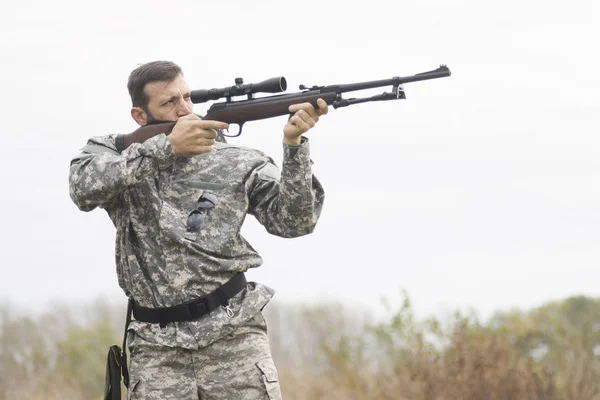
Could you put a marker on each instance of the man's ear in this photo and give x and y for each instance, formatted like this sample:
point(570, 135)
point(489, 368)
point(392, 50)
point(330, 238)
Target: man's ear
point(139, 115)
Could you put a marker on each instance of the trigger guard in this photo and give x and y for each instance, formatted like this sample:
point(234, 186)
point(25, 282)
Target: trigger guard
point(227, 130)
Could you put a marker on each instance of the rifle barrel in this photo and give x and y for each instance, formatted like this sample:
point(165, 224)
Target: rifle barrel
point(441, 72)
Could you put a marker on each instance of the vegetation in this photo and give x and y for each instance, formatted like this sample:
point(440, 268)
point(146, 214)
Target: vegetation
point(548, 353)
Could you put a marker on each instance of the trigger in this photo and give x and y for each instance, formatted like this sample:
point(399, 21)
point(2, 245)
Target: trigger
point(237, 132)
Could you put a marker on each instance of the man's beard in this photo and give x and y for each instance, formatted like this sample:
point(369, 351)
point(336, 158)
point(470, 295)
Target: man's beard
point(150, 120)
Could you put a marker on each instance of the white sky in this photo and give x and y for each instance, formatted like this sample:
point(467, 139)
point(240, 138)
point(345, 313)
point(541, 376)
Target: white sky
point(480, 190)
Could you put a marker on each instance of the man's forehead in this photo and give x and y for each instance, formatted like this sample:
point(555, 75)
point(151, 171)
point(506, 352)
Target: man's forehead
point(166, 88)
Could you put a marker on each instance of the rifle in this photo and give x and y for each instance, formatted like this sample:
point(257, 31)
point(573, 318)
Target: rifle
point(253, 109)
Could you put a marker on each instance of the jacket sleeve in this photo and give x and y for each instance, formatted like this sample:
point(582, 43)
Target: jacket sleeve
point(287, 203)
point(100, 173)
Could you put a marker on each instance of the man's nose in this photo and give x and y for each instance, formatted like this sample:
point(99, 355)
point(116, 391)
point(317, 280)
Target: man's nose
point(183, 109)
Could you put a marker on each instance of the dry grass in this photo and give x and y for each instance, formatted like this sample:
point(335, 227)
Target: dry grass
point(475, 365)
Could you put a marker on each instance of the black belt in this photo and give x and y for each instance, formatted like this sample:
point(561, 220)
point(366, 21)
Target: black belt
point(195, 308)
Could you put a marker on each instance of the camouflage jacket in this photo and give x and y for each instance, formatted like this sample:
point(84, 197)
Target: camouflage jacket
point(149, 192)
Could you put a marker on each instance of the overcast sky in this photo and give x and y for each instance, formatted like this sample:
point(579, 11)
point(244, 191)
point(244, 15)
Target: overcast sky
point(480, 190)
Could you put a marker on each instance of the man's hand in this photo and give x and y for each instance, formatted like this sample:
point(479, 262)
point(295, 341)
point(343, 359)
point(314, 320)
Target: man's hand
point(192, 136)
point(305, 117)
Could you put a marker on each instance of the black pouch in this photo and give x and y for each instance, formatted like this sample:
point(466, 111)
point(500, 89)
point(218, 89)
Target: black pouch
point(116, 364)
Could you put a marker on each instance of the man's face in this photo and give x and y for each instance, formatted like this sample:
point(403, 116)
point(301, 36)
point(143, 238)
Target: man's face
point(167, 101)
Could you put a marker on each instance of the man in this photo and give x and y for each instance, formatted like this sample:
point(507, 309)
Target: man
point(178, 202)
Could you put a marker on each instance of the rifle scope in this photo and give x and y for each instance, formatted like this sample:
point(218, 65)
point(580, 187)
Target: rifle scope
point(272, 85)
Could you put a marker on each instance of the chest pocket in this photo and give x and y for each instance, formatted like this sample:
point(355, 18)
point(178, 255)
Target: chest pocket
point(188, 208)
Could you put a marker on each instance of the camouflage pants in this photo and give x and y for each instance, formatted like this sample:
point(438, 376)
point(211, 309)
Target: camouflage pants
point(239, 366)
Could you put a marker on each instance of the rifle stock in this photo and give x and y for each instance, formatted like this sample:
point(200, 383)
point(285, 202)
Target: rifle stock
point(142, 134)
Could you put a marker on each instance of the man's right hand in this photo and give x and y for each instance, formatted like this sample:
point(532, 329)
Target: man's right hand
point(192, 136)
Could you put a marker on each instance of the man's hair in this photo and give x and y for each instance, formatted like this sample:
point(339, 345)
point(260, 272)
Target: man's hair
point(154, 71)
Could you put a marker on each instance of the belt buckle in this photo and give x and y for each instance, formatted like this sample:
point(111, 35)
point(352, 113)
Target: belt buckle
point(196, 309)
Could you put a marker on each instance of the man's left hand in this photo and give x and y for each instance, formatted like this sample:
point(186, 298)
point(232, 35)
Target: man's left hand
point(304, 118)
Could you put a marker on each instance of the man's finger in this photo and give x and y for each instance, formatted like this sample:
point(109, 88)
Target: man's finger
point(300, 106)
point(210, 124)
point(299, 123)
point(309, 119)
point(208, 133)
point(323, 108)
point(312, 111)
point(306, 107)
